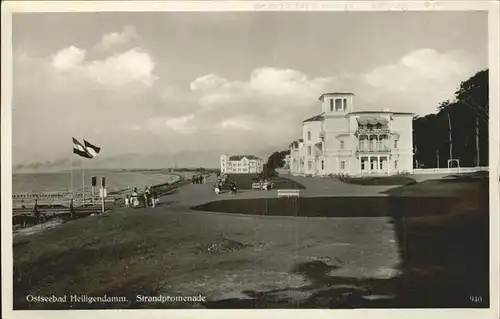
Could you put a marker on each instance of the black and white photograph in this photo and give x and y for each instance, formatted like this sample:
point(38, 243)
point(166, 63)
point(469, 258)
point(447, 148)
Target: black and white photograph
point(249, 155)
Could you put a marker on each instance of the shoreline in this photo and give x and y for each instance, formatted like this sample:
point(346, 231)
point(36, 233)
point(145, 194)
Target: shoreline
point(53, 220)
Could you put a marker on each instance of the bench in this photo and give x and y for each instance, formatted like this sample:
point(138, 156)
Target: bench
point(288, 193)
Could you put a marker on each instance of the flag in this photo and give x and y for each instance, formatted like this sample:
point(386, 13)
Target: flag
point(80, 150)
point(92, 149)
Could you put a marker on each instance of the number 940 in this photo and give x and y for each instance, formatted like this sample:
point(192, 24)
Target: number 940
point(476, 299)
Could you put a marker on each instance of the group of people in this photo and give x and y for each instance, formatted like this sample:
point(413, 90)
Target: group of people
point(199, 179)
point(265, 185)
point(149, 198)
point(218, 187)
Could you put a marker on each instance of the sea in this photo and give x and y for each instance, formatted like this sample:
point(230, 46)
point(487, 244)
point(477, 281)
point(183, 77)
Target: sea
point(67, 181)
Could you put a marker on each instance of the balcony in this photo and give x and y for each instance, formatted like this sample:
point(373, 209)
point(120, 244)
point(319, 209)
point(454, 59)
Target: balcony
point(373, 149)
point(372, 131)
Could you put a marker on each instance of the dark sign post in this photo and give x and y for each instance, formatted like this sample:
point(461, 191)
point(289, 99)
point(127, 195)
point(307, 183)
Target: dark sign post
point(94, 184)
point(103, 191)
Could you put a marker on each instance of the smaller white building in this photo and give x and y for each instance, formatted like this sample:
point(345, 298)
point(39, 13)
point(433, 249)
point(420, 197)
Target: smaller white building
point(241, 164)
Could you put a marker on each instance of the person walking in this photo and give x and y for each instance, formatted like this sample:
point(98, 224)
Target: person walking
point(147, 196)
point(154, 197)
point(127, 201)
point(36, 212)
point(71, 209)
point(135, 200)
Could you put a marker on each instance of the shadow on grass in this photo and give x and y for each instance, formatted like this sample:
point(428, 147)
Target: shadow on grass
point(376, 206)
point(443, 244)
point(379, 180)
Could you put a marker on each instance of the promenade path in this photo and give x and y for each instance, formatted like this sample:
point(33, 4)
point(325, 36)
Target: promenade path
point(170, 250)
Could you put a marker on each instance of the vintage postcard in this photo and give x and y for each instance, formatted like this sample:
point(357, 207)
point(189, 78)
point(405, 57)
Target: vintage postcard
point(281, 159)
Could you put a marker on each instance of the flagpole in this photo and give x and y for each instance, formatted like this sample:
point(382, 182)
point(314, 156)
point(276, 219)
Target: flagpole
point(83, 183)
point(71, 173)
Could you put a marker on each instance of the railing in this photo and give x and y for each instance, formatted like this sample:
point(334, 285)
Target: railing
point(452, 170)
point(363, 131)
point(288, 193)
point(373, 149)
point(28, 199)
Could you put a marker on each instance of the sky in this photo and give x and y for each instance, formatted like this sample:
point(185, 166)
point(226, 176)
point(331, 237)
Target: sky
point(223, 82)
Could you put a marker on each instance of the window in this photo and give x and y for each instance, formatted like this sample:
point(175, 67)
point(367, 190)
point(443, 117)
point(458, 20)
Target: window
point(395, 143)
point(338, 104)
point(363, 165)
point(322, 164)
point(342, 165)
point(309, 135)
point(345, 104)
point(309, 165)
point(342, 144)
point(309, 150)
point(395, 164)
point(331, 105)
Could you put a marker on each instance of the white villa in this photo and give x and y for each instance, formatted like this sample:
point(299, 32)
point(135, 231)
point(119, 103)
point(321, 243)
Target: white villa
point(343, 141)
point(243, 164)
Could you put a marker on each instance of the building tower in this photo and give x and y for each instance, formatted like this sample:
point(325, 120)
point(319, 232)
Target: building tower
point(337, 103)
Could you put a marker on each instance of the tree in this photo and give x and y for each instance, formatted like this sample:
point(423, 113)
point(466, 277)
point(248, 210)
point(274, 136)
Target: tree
point(275, 160)
point(474, 94)
point(458, 130)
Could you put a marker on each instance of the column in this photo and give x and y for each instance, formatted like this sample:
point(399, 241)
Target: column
point(378, 163)
point(369, 164)
point(388, 165)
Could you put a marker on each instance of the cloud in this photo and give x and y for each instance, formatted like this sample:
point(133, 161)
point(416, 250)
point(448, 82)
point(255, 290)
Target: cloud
point(117, 39)
point(239, 123)
point(287, 82)
point(68, 58)
point(132, 66)
point(180, 124)
point(272, 86)
point(120, 69)
point(418, 67)
point(417, 82)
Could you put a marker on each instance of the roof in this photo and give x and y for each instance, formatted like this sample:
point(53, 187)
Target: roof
point(314, 118)
point(381, 112)
point(240, 157)
point(363, 120)
point(334, 93)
